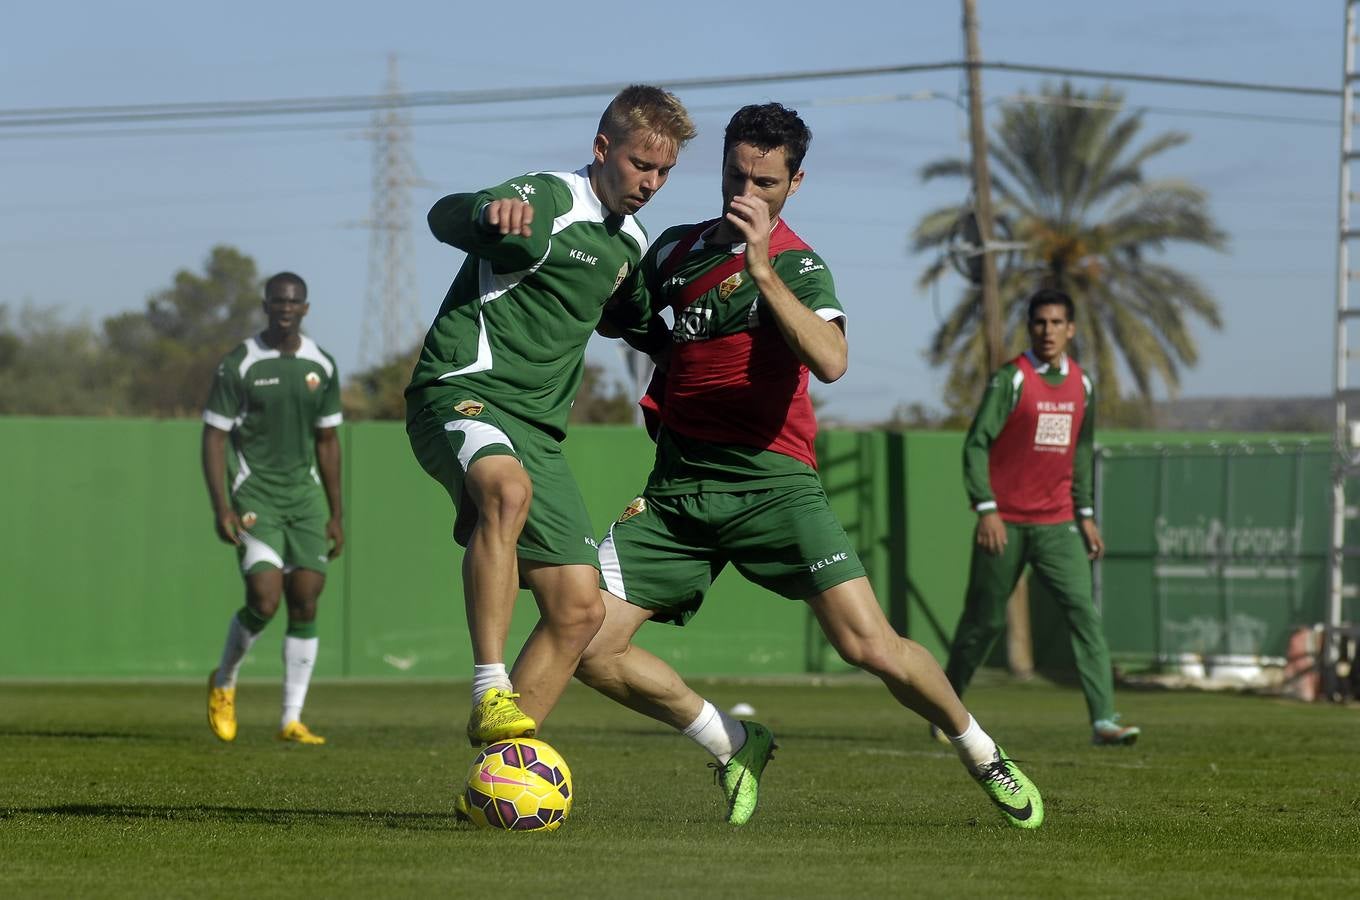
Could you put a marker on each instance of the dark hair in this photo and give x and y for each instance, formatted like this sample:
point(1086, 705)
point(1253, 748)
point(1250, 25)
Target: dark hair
point(647, 111)
point(1051, 297)
point(768, 126)
point(285, 278)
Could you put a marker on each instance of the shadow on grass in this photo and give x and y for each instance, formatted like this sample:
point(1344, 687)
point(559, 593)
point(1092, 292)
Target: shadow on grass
point(245, 815)
point(84, 735)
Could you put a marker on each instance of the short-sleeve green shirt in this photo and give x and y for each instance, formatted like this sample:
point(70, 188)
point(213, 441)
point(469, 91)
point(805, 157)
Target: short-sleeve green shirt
point(272, 403)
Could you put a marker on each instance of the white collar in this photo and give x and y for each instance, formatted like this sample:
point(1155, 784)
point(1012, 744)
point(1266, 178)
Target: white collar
point(1042, 367)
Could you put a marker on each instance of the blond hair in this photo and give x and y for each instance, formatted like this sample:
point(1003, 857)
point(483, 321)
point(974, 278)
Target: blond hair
point(645, 110)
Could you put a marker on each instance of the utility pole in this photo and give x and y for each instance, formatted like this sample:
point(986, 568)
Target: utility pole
point(982, 193)
point(1019, 644)
point(390, 326)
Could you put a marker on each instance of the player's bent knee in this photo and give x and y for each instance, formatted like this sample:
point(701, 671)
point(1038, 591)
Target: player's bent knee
point(264, 614)
point(595, 666)
point(583, 617)
point(877, 657)
point(601, 664)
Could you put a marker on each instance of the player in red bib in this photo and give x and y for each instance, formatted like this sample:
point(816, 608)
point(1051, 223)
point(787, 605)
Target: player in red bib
point(755, 312)
point(1027, 464)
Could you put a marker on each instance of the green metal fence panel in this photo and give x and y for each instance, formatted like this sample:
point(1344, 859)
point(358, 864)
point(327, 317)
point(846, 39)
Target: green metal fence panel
point(111, 567)
point(110, 564)
point(1213, 552)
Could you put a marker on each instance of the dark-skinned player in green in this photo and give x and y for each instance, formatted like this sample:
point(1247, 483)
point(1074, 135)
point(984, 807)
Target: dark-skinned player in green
point(276, 396)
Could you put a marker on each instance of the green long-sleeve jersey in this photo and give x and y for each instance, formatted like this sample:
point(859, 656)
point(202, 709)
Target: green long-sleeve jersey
point(998, 402)
point(514, 325)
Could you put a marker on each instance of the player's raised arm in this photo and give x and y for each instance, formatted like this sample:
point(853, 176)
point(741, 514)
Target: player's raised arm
point(497, 224)
point(819, 344)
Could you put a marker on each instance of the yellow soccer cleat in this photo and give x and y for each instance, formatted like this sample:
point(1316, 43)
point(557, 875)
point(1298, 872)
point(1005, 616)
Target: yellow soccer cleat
point(460, 808)
point(496, 717)
point(297, 733)
point(221, 709)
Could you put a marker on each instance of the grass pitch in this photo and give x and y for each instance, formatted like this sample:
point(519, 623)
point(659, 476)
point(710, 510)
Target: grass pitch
point(121, 790)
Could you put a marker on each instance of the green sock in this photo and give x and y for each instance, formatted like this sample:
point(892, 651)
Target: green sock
point(251, 620)
point(302, 629)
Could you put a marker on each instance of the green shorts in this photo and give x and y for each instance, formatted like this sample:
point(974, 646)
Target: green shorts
point(664, 551)
point(448, 436)
point(282, 537)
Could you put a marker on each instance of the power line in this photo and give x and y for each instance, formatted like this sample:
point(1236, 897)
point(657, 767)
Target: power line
point(538, 116)
point(132, 114)
point(1117, 106)
point(1178, 80)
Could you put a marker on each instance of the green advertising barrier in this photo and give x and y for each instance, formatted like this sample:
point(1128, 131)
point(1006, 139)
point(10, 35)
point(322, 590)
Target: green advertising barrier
point(1215, 553)
point(111, 567)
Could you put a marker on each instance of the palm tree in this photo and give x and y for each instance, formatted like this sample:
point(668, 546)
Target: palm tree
point(1070, 192)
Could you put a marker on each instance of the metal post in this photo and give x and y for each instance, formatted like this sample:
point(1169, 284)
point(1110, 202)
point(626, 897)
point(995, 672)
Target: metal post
point(1019, 646)
point(982, 194)
point(1343, 451)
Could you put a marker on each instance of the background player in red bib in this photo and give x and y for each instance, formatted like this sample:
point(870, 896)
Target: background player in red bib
point(1027, 466)
point(735, 481)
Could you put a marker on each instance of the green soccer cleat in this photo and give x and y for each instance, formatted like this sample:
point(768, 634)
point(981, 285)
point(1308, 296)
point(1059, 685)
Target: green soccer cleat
point(496, 717)
point(1109, 733)
point(740, 777)
point(1013, 793)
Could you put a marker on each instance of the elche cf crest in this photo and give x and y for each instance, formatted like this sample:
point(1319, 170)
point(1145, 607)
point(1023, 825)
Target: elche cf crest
point(637, 506)
point(469, 408)
point(728, 285)
point(312, 380)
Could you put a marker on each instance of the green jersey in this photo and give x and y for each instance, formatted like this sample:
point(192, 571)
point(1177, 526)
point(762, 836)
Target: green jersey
point(514, 325)
point(735, 411)
point(998, 402)
point(272, 403)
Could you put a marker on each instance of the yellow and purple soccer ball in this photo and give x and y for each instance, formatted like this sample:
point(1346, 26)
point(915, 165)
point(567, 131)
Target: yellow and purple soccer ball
point(521, 784)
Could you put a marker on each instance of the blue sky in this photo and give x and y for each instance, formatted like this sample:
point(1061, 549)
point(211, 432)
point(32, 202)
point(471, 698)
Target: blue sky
point(93, 225)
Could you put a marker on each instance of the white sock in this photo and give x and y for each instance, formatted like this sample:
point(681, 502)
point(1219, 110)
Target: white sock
point(299, 656)
point(975, 747)
point(239, 640)
point(491, 675)
point(717, 732)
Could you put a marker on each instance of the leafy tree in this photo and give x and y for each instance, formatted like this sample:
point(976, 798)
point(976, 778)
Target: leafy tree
point(169, 351)
point(52, 367)
point(378, 392)
point(1069, 185)
point(919, 417)
point(601, 402)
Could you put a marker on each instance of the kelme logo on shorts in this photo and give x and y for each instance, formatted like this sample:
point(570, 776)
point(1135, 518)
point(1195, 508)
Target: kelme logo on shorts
point(729, 284)
point(313, 381)
point(249, 520)
point(470, 408)
point(637, 506)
